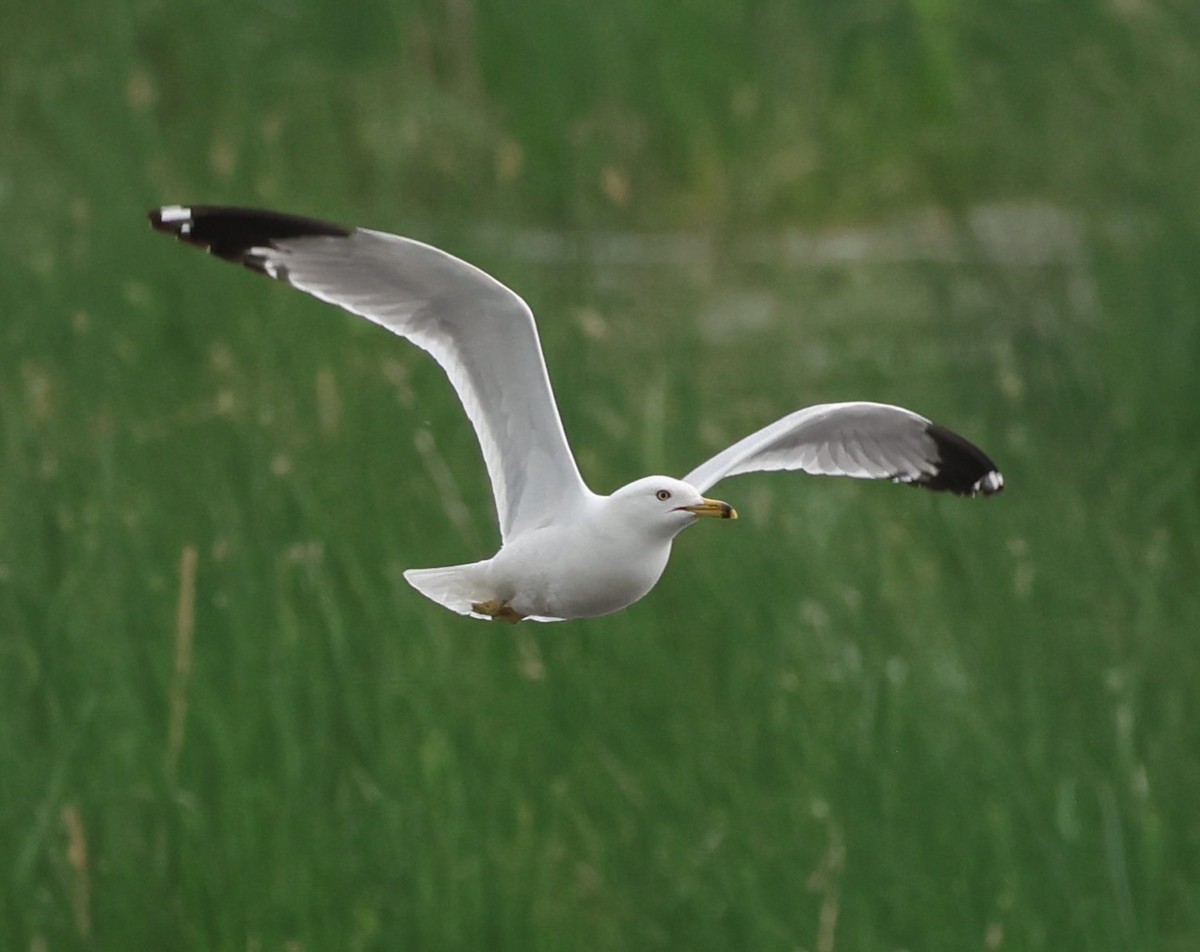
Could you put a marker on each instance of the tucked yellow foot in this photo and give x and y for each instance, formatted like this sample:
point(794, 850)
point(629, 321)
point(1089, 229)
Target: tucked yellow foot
point(497, 609)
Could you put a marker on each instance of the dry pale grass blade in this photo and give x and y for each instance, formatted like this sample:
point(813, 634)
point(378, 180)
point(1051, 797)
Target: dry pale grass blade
point(77, 860)
point(185, 627)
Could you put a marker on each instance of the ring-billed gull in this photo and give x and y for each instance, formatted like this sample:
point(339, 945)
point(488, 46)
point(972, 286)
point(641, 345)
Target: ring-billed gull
point(565, 552)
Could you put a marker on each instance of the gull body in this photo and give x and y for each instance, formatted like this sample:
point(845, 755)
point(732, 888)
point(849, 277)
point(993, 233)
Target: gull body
point(603, 558)
point(566, 552)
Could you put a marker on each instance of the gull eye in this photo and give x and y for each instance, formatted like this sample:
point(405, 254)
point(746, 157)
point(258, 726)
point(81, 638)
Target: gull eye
point(663, 495)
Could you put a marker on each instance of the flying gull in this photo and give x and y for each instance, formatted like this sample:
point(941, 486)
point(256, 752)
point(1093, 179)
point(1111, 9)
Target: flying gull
point(566, 552)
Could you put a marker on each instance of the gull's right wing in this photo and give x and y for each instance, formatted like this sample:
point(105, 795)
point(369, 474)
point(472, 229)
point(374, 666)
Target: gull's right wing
point(862, 440)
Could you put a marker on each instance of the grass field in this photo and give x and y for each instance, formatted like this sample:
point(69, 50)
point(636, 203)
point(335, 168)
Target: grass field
point(860, 718)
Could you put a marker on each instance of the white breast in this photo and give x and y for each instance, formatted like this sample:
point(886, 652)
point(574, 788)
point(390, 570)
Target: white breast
point(575, 572)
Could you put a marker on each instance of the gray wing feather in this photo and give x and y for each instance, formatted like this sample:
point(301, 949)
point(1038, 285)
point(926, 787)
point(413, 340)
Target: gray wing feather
point(484, 337)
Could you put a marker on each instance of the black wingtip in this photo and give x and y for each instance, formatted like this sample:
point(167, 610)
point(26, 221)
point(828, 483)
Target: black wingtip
point(962, 467)
point(234, 233)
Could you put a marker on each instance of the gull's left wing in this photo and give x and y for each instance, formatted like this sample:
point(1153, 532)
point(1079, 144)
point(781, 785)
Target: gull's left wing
point(481, 333)
point(862, 440)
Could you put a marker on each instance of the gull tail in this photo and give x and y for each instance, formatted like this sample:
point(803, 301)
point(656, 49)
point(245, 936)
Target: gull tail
point(455, 587)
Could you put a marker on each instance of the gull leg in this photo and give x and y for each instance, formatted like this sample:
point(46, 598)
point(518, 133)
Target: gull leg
point(497, 609)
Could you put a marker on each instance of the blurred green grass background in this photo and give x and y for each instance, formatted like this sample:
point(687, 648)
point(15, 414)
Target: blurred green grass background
point(860, 718)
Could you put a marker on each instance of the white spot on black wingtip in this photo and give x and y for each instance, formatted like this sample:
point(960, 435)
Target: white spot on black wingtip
point(170, 214)
point(991, 482)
